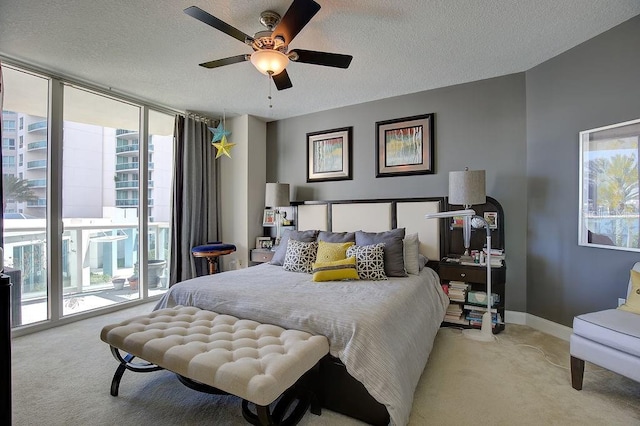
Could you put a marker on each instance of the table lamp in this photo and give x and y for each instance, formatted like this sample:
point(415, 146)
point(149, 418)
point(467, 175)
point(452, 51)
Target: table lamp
point(467, 188)
point(276, 196)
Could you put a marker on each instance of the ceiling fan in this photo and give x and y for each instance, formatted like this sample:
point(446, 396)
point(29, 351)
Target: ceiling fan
point(271, 47)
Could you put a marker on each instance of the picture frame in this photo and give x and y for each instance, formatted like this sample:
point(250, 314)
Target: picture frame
point(264, 243)
point(405, 146)
point(269, 217)
point(608, 195)
point(457, 221)
point(492, 219)
point(329, 155)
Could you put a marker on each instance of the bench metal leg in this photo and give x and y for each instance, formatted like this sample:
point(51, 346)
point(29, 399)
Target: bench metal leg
point(577, 372)
point(126, 363)
point(302, 395)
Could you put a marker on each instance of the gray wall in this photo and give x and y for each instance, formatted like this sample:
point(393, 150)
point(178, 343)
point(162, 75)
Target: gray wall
point(480, 125)
point(594, 84)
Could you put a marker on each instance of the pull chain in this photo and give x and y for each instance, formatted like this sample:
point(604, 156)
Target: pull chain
point(269, 83)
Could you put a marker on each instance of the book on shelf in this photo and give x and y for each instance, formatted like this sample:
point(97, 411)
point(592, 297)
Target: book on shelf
point(456, 320)
point(480, 297)
point(479, 308)
point(475, 318)
point(498, 263)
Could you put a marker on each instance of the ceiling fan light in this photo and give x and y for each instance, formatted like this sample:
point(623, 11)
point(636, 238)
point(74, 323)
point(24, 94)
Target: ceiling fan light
point(269, 61)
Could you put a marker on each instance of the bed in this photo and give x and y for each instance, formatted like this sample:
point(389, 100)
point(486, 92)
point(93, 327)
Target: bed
point(380, 332)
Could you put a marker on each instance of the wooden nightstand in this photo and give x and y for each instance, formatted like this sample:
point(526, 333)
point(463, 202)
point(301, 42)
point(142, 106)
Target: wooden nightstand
point(476, 279)
point(261, 255)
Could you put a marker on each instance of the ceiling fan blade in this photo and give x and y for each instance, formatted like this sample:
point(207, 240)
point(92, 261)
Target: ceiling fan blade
point(295, 18)
point(216, 23)
point(226, 61)
point(282, 80)
point(321, 58)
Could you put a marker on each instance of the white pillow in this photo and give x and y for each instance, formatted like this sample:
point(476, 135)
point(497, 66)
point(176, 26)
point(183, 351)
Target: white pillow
point(411, 247)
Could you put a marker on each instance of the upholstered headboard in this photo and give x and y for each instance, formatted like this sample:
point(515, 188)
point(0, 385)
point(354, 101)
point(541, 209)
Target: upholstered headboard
point(378, 216)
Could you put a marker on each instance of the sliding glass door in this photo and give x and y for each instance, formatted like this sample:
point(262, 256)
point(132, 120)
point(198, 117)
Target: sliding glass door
point(87, 224)
point(25, 145)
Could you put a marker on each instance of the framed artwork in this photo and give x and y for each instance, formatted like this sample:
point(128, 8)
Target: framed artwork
point(609, 215)
point(457, 221)
point(405, 146)
point(269, 218)
point(264, 242)
point(329, 155)
point(492, 219)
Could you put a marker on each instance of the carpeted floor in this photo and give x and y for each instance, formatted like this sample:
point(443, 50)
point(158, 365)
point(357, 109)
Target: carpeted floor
point(62, 377)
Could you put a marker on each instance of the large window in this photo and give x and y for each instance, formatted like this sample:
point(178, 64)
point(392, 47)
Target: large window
point(609, 179)
point(90, 182)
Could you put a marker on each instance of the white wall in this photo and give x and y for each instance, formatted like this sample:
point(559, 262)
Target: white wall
point(242, 187)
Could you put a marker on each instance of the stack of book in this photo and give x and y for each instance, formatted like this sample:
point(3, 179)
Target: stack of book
point(455, 314)
point(458, 291)
point(475, 318)
point(497, 258)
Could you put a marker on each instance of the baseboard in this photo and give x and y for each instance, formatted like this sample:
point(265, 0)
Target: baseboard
point(522, 318)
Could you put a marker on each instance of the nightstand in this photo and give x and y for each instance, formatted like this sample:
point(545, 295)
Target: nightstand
point(474, 278)
point(261, 255)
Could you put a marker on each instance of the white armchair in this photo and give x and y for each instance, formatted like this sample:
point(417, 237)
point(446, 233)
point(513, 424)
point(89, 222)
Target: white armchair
point(610, 339)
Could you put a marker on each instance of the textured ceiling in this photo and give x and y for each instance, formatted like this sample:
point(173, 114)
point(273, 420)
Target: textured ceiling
point(150, 49)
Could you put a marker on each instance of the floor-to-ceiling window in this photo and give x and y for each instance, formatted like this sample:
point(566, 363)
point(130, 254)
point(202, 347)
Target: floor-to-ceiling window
point(88, 177)
point(24, 178)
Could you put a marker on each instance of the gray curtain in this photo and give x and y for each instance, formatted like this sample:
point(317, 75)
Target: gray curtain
point(196, 197)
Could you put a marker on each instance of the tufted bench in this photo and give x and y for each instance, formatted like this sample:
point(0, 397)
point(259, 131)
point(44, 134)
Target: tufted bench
point(219, 353)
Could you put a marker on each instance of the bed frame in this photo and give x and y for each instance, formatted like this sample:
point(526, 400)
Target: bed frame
point(340, 391)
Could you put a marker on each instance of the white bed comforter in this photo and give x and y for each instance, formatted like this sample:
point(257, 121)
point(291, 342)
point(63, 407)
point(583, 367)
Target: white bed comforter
point(382, 331)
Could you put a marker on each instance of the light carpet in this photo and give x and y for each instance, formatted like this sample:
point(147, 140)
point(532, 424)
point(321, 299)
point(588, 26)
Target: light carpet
point(62, 377)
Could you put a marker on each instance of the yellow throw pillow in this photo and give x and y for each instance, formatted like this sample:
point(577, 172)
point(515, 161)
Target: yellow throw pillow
point(633, 299)
point(330, 252)
point(338, 270)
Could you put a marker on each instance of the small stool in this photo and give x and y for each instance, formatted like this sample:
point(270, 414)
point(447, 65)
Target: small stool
point(211, 252)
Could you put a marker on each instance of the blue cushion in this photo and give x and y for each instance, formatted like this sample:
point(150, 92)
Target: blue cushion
point(212, 247)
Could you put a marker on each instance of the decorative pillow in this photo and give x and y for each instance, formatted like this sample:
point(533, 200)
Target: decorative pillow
point(411, 254)
point(328, 252)
point(423, 261)
point(337, 237)
point(338, 270)
point(281, 249)
point(632, 303)
point(393, 247)
point(300, 256)
point(369, 261)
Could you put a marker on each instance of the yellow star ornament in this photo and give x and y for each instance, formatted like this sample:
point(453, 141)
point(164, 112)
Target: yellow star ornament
point(223, 147)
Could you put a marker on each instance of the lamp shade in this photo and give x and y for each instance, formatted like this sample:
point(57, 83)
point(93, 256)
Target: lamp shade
point(269, 61)
point(467, 187)
point(276, 195)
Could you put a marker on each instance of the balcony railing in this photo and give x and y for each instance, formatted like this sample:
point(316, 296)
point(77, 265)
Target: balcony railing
point(37, 183)
point(131, 184)
point(127, 166)
point(131, 202)
point(127, 148)
point(40, 125)
point(41, 202)
point(37, 145)
point(39, 164)
point(127, 184)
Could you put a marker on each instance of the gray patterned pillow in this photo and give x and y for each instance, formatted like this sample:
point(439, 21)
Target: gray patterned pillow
point(393, 256)
point(300, 256)
point(281, 250)
point(369, 261)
